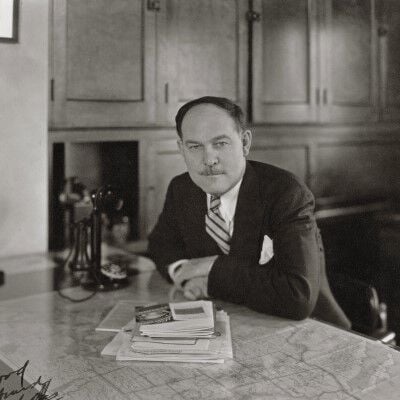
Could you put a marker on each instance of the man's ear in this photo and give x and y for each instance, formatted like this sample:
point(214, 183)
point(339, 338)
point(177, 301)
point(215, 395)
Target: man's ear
point(180, 145)
point(246, 142)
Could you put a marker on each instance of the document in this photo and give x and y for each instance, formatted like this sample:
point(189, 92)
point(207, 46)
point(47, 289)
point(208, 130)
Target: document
point(119, 316)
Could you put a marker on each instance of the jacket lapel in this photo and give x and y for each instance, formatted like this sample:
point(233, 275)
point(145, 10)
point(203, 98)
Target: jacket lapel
point(248, 219)
point(195, 224)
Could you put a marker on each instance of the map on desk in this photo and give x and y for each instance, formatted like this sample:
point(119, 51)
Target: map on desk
point(274, 359)
point(16, 384)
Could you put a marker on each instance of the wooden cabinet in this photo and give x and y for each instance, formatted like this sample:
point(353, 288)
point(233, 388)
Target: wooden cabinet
point(203, 52)
point(127, 63)
point(135, 62)
point(285, 61)
point(103, 63)
point(389, 18)
point(315, 61)
point(349, 61)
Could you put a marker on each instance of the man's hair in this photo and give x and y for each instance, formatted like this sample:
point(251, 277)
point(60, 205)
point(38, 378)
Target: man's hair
point(229, 106)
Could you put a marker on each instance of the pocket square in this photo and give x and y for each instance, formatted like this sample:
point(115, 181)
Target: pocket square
point(267, 251)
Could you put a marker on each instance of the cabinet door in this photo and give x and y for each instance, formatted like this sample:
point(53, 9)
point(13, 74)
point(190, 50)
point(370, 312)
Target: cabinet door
point(103, 63)
point(349, 61)
point(390, 59)
point(164, 161)
point(285, 61)
point(203, 52)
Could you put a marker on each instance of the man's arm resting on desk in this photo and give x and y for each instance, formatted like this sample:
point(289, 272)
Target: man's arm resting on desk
point(166, 246)
point(288, 285)
point(267, 288)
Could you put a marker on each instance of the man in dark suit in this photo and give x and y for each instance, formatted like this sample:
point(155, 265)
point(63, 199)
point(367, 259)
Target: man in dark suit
point(238, 230)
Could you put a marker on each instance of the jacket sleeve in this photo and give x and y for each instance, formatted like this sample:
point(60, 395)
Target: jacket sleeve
point(288, 285)
point(165, 241)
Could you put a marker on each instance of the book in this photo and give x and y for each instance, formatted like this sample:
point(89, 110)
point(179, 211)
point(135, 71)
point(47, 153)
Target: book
point(192, 319)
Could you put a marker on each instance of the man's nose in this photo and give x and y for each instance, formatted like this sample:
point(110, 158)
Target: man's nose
point(210, 156)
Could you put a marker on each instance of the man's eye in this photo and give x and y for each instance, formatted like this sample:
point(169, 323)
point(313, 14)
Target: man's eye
point(221, 144)
point(193, 146)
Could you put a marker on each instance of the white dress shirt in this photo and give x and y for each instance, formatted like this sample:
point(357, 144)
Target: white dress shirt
point(228, 205)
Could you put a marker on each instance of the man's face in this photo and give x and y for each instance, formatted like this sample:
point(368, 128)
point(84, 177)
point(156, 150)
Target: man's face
point(213, 148)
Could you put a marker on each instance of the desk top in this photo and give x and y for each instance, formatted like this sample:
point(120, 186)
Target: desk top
point(273, 358)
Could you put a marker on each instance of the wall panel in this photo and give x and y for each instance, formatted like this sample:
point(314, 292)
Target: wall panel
point(294, 159)
point(358, 169)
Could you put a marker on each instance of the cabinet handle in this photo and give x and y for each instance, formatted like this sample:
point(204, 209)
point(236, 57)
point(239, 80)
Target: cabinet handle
point(166, 92)
point(317, 95)
point(253, 16)
point(383, 30)
point(52, 89)
point(153, 5)
point(325, 96)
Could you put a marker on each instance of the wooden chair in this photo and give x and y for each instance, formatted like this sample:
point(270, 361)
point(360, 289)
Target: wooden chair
point(361, 304)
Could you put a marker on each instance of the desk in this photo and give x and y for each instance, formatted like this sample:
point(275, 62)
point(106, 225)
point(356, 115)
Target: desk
point(273, 358)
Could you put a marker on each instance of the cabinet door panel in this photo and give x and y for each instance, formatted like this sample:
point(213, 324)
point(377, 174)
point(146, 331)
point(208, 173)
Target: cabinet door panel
point(285, 61)
point(99, 32)
point(350, 53)
point(393, 80)
point(286, 81)
point(202, 68)
point(291, 158)
point(391, 60)
point(103, 63)
point(164, 161)
point(203, 54)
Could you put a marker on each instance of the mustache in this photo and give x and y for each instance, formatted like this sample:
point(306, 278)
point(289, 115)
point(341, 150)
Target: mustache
point(210, 172)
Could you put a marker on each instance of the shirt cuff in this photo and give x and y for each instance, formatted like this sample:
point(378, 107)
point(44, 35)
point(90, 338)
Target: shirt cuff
point(173, 267)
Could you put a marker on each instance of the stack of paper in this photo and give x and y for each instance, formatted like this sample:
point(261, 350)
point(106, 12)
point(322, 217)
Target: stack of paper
point(175, 320)
point(183, 332)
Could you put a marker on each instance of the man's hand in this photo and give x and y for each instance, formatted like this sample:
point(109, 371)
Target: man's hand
point(196, 288)
point(194, 268)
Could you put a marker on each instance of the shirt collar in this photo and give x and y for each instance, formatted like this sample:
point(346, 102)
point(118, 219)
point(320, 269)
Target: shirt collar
point(228, 201)
point(232, 194)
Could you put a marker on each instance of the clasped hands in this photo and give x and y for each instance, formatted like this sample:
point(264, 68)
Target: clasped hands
point(192, 277)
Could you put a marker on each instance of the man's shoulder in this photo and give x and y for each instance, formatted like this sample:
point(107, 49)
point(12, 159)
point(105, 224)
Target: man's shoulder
point(181, 186)
point(181, 180)
point(283, 191)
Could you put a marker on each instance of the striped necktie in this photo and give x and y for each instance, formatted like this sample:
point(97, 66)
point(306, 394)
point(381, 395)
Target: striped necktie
point(216, 226)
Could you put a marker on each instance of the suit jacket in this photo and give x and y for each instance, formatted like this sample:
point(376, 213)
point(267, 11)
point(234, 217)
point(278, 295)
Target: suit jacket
point(273, 202)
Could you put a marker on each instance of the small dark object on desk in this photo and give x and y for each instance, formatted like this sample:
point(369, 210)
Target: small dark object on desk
point(104, 283)
point(125, 261)
point(110, 277)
